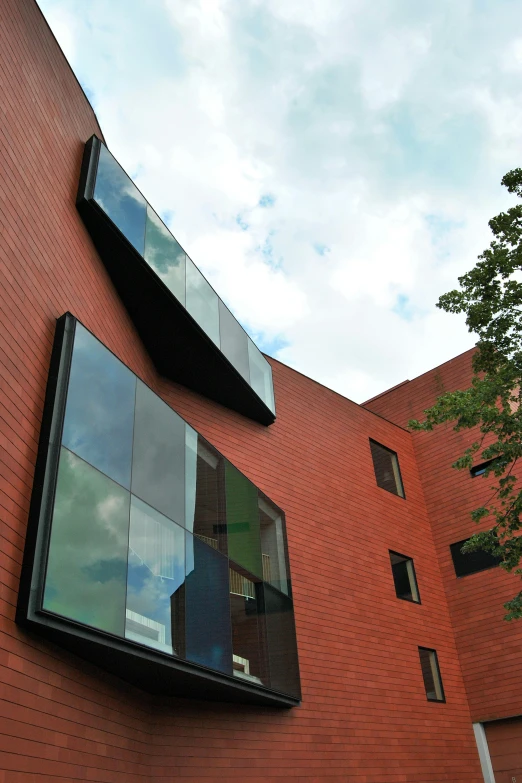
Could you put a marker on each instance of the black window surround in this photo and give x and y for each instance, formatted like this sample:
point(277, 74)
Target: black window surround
point(431, 675)
point(479, 470)
point(404, 577)
point(387, 469)
point(467, 563)
point(259, 590)
point(184, 325)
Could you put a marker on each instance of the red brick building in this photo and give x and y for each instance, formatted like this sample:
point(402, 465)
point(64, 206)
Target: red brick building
point(390, 689)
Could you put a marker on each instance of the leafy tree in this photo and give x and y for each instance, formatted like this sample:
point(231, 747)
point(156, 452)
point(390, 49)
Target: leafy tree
point(491, 297)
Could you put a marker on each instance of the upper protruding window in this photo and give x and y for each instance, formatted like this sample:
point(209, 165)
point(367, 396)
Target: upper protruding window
point(191, 335)
point(386, 465)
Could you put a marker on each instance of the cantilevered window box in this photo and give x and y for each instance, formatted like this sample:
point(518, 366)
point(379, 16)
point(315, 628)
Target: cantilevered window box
point(188, 331)
point(148, 553)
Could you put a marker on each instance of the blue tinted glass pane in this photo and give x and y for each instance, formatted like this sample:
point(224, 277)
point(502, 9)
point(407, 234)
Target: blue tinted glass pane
point(282, 645)
point(207, 607)
point(156, 571)
point(234, 341)
point(100, 408)
point(158, 468)
point(261, 375)
point(120, 199)
point(164, 255)
point(87, 562)
point(202, 302)
point(250, 659)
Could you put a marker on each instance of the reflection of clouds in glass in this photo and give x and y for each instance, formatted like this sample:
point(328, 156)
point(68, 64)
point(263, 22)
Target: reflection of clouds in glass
point(100, 408)
point(202, 301)
point(86, 571)
point(156, 541)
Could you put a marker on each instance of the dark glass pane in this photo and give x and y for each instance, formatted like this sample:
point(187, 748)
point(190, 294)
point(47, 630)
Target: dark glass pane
point(260, 375)
point(282, 645)
point(234, 341)
point(202, 607)
point(244, 543)
point(156, 571)
point(430, 674)
point(273, 547)
point(471, 562)
point(120, 199)
point(479, 470)
point(99, 417)
point(205, 492)
point(202, 302)
point(250, 659)
point(165, 255)
point(158, 468)
point(87, 562)
point(404, 577)
point(386, 467)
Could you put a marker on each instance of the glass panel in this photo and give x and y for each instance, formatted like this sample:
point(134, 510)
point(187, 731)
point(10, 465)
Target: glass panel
point(158, 468)
point(273, 546)
point(165, 255)
point(201, 607)
point(87, 562)
point(261, 375)
point(244, 543)
point(120, 199)
point(202, 302)
point(250, 661)
point(206, 490)
point(466, 563)
point(100, 408)
point(386, 467)
point(282, 645)
point(234, 341)
point(156, 571)
point(404, 577)
point(430, 674)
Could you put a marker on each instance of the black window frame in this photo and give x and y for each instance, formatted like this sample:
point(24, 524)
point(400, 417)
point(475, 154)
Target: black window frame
point(435, 700)
point(406, 559)
point(399, 494)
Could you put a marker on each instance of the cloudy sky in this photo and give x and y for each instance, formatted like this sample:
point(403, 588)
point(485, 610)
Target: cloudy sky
point(330, 165)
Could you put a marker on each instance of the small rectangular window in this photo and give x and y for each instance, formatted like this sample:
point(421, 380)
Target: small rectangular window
point(479, 470)
point(404, 577)
point(471, 562)
point(386, 467)
point(431, 674)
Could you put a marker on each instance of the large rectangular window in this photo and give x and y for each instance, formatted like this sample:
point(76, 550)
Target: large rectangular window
point(386, 466)
point(431, 674)
point(151, 537)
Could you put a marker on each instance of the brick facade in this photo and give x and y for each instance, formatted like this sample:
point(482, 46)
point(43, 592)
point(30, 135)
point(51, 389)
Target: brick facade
point(364, 715)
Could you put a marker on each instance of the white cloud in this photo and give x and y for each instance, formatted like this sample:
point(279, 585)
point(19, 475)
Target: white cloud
point(382, 138)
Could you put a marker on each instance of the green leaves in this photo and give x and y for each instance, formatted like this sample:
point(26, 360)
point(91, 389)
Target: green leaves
point(490, 295)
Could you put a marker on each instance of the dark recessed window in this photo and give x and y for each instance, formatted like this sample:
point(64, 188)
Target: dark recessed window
point(404, 577)
point(471, 562)
point(431, 674)
point(387, 470)
point(479, 470)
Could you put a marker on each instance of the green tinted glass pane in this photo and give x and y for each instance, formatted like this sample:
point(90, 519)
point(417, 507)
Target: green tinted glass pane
point(156, 571)
point(261, 375)
point(202, 302)
point(165, 255)
point(244, 545)
point(87, 562)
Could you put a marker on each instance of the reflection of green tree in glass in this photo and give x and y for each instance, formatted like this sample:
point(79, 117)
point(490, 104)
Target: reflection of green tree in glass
point(87, 564)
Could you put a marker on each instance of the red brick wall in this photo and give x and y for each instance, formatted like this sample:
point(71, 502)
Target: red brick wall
point(490, 649)
point(364, 715)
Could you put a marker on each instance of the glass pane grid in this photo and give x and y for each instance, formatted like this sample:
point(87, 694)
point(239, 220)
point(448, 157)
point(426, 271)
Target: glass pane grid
point(127, 208)
point(147, 559)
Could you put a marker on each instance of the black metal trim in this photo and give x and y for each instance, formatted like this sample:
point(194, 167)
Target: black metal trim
point(178, 346)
